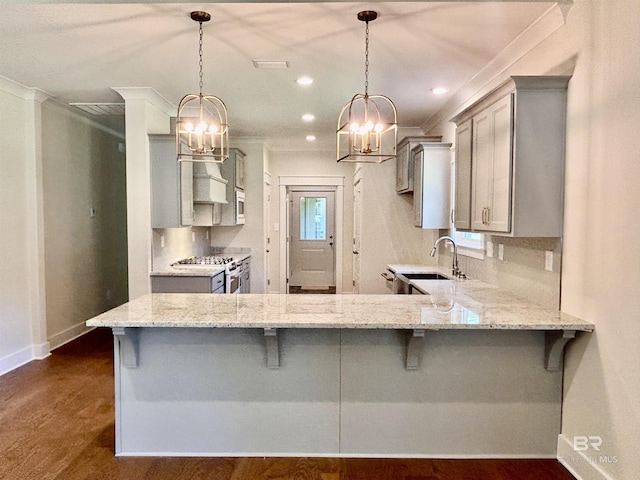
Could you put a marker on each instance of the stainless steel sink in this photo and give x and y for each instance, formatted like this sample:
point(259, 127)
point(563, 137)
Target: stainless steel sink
point(424, 276)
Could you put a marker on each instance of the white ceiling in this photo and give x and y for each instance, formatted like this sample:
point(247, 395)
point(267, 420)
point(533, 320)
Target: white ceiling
point(77, 52)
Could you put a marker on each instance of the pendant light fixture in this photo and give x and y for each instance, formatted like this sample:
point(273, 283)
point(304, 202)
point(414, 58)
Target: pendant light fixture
point(368, 124)
point(202, 129)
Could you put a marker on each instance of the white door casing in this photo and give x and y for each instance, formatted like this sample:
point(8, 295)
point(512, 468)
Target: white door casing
point(286, 181)
point(357, 229)
point(311, 237)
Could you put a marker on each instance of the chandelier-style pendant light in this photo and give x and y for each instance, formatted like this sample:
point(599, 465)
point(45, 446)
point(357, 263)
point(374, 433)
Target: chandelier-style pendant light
point(368, 124)
point(202, 129)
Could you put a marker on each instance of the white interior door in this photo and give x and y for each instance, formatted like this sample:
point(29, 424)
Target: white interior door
point(311, 238)
point(357, 233)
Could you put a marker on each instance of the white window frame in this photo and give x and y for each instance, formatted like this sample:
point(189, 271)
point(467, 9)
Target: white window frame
point(474, 248)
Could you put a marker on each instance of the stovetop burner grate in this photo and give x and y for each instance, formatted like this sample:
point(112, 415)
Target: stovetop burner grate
point(206, 260)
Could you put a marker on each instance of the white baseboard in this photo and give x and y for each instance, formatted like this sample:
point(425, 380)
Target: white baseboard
point(24, 356)
point(68, 335)
point(582, 465)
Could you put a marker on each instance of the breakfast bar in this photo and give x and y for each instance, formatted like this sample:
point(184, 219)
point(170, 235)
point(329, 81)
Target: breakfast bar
point(464, 370)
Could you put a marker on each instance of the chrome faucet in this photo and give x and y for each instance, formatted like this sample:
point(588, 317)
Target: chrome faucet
point(455, 271)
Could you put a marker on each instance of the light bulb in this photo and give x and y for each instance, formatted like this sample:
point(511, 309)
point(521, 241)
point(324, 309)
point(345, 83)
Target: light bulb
point(213, 128)
point(369, 126)
point(379, 127)
point(355, 127)
point(188, 127)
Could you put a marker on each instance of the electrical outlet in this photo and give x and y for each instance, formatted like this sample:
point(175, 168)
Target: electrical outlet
point(92, 212)
point(276, 227)
point(207, 234)
point(548, 261)
point(193, 236)
point(489, 249)
point(500, 251)
point(161, 241)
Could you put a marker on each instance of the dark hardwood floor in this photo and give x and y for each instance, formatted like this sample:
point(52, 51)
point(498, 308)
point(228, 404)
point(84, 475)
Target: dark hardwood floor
point(57, 422)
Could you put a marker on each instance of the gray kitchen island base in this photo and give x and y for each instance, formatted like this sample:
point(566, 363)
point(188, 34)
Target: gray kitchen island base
point(335, 392)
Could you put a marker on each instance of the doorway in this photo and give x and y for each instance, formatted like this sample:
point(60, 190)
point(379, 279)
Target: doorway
point(309, 185)
point(312, 240)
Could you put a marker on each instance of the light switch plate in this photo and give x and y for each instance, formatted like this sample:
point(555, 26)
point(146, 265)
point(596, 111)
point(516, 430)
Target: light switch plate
point(501, 252)
point(548, 261)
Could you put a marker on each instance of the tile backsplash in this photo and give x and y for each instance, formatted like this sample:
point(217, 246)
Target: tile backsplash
point(522, 270)
point(173, 244)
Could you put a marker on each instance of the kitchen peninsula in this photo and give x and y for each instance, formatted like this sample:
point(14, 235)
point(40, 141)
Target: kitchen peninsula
point(466, 371)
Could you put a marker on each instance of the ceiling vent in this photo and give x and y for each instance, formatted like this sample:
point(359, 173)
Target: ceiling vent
point(101, 108)
point(270, 64)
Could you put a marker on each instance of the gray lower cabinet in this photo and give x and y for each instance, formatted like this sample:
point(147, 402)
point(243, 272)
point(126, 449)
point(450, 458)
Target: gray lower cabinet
point(171, 185)
point(209, 391)
point(187, 284)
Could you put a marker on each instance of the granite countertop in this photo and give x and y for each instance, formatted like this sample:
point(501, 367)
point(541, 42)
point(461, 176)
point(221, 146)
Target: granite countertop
point(201, 270)
point(189, 271)
point(451, 304)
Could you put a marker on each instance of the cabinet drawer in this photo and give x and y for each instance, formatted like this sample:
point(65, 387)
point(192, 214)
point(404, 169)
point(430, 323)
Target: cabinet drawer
point(217, 282)
point(182, 284)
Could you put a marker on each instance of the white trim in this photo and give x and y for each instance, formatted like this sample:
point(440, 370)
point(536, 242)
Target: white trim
point(24, 356)
point(498, 456)
point(286, 181)
point(148, 94)
point(495, 72)
point(21, 91)
point(580, 465)
point(471, 252)
point(69, 334)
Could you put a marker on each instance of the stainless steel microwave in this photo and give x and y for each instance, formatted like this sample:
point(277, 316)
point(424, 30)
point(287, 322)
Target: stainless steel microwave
point(239, 208)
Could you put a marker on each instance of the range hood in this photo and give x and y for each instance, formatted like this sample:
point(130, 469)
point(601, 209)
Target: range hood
point(208, 184)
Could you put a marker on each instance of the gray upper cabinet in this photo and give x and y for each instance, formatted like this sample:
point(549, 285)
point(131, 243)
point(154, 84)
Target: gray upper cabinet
point(404, 161)
point(513, 182)
point(462, 209)
point(232, 170)
point(171, 185)
point(431, 184)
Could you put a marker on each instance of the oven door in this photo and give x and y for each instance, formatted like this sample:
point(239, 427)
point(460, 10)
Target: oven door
point(232, 284)
point(239, 208)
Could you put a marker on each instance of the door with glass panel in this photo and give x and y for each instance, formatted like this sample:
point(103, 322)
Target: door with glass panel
point(311, 239)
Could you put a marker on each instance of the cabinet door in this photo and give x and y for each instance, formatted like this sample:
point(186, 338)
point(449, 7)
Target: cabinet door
point(481, 177)
point(499, 214)
point(171, 184)
point(491, 174)
point(403, 174)
point(239, 160)
point(418, 169)
point(462, 215)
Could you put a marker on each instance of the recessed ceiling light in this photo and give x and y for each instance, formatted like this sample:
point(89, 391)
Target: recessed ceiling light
point(308, 117)
point(439, 90)
point(304, 81)
point(310, 138)
point(270, 64)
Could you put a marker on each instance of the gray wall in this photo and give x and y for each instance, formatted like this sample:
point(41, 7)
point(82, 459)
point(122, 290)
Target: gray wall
point(85, 256)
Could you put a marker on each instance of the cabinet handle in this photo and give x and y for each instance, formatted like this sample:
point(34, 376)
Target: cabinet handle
point(452, 216)
point(488, 215)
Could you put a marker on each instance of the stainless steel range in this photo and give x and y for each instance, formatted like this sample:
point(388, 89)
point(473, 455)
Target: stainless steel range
point(206, 260)
point(233, 269)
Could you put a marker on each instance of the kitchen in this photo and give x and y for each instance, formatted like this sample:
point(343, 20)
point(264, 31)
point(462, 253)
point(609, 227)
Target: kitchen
point(585, 268)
